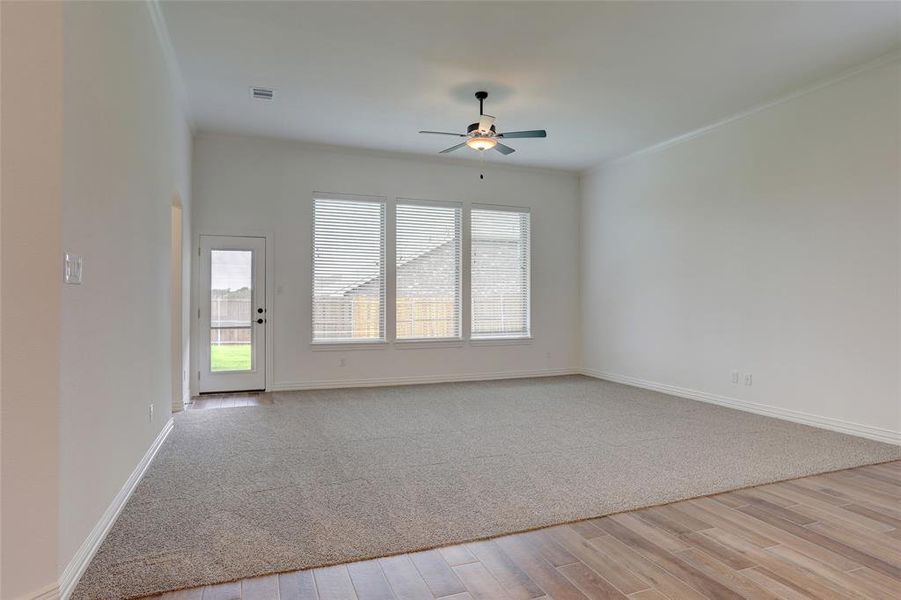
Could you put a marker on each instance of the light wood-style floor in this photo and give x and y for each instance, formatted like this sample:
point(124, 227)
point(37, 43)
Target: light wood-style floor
point(836, 535)
point(208, 401)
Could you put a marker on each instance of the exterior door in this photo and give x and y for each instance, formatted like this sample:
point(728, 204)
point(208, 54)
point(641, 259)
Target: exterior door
point(232, 314)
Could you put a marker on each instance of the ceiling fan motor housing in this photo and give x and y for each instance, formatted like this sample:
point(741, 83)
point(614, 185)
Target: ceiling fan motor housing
point(475, 127)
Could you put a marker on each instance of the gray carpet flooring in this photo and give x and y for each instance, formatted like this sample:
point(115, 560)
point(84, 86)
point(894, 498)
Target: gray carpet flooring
point(323, 477)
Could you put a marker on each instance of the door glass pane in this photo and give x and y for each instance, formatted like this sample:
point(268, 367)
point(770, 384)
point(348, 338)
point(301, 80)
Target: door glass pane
point(231, 333)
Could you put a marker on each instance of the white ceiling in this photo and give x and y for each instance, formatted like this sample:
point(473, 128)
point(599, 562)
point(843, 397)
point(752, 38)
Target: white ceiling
point(605, 79)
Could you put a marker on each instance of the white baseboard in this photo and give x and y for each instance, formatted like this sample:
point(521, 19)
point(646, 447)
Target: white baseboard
point(76, 567)
point(868, 431)
point(412, 380)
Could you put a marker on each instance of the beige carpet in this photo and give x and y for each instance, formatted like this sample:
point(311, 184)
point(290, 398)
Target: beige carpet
point(332, 476)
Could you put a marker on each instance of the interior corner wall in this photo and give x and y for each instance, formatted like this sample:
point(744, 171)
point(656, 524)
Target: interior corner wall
point(248, 186)
point(769, 246)
point(31, 47)
point(127, 151)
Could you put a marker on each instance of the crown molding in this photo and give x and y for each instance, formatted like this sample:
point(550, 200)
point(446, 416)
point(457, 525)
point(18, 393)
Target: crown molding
point(882, 60)
point(169, 57)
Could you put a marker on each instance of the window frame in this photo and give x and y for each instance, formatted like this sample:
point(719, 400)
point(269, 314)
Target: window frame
point(496, 339)
point(388, 275)
point(344, 343)
point(449, 341)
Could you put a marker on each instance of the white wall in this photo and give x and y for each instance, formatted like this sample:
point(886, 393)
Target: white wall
point(769, 245)
point(31, 150)
point(127, 154)
point(253, 185)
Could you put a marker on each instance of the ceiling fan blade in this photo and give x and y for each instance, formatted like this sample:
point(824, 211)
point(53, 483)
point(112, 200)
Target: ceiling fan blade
point(534, 133)
point(444, 133)
point(452, 148)
point(485, 123)
point(503, 149)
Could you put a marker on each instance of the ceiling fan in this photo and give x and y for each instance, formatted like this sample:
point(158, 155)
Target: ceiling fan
point(483, 136)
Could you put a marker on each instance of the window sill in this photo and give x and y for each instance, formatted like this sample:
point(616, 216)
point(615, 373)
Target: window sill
point(506, 341)
point(426, 343)
point(343, 346)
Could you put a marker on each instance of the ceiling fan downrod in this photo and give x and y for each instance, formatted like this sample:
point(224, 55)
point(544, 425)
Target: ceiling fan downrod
point(481, 97)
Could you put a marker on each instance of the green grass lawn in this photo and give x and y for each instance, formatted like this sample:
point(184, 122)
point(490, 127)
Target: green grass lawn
point(230, 357)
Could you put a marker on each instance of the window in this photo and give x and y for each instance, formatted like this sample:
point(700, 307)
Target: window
point(348, 269)
point(231, 311)
point(500, 273)
point(428, 270)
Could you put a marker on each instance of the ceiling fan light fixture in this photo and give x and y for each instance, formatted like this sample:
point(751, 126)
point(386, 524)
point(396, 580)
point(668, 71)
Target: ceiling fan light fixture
point(481, 143)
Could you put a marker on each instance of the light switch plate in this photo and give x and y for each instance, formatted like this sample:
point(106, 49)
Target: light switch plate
point(72, 269)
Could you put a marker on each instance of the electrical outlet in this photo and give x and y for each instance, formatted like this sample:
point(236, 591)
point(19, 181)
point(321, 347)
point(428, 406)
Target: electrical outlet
point(748, 379)
point(342, 362)
point(151, 413)
point(735, 376)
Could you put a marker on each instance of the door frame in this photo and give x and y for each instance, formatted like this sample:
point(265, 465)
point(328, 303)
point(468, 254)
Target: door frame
point(177, 281)
point(198, 293)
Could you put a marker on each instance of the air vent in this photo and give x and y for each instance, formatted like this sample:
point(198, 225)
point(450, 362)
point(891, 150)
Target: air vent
point(261, 93)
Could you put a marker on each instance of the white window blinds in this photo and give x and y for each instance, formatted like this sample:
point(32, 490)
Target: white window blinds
point(348, 269)
point(500, 273)
point(428, 270)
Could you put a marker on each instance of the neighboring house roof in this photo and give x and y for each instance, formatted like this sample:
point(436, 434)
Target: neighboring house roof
point(496, 249)
point(419, 257)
